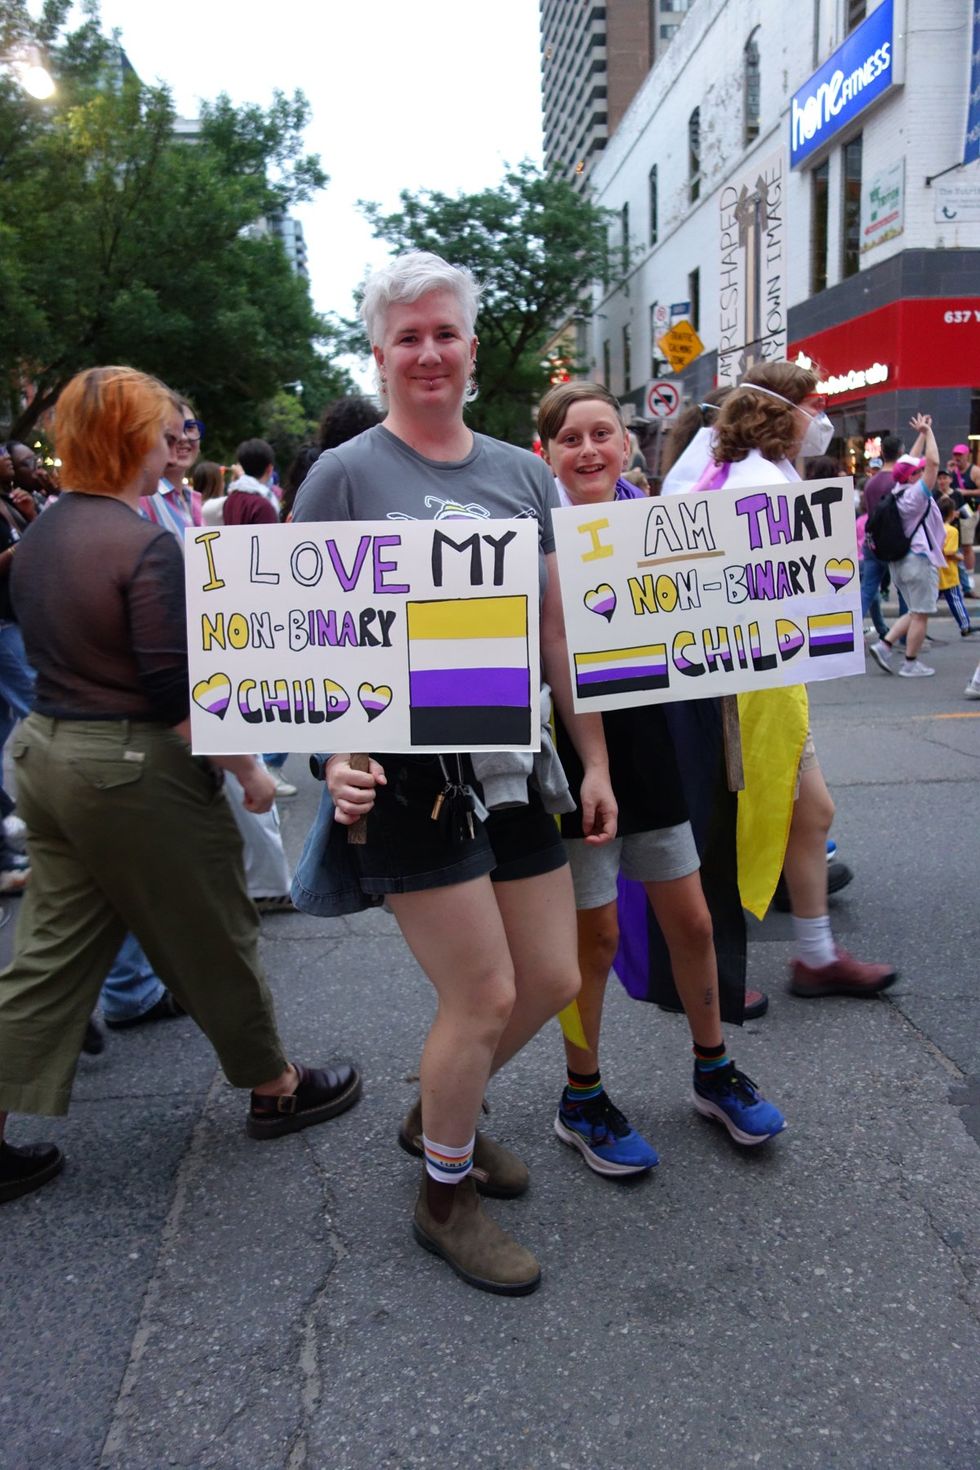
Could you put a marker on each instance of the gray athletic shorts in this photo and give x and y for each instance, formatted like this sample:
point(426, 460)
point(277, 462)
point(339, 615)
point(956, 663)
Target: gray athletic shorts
point(649, 857)
point(918, 581)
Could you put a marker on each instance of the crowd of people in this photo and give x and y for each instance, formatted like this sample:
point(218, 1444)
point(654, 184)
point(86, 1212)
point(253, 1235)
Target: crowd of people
point(513, 917)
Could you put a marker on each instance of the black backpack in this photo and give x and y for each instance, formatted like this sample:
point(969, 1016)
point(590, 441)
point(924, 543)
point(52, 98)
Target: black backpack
point(884, 529)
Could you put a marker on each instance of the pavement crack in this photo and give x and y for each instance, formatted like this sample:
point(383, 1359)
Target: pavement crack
point(113, 1452)
point(311, 1375)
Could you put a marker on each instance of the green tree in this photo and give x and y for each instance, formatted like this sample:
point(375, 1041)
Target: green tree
point(535, 246)
point(121, 242)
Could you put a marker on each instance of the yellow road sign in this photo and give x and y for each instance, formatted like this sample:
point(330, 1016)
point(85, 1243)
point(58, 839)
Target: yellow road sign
point(681, 345)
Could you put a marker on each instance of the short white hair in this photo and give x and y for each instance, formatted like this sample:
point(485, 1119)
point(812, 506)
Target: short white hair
point(409, 276)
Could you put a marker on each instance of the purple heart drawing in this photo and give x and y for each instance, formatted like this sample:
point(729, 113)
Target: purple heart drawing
point(601, 600)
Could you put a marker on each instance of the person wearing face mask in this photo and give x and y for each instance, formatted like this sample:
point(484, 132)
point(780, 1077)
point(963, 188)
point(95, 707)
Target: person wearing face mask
point(772, 418)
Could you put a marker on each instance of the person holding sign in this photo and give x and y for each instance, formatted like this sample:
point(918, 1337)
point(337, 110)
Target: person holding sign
point(785, 811)
point(485, 905)
point(585, 441)
point(115, 804)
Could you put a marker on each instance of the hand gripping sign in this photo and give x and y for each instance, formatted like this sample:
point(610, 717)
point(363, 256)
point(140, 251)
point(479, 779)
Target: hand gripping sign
point(694, 596)
point(352, 636)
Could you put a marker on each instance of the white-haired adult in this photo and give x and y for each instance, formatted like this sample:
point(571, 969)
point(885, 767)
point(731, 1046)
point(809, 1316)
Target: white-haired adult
point(490, 918)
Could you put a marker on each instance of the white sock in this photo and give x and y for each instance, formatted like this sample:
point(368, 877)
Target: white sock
point(445, 1162)
point(814, 941)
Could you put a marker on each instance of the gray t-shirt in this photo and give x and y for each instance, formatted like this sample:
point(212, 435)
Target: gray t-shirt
point(378, 477)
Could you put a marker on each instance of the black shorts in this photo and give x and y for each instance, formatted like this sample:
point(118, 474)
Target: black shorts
point(407, 852)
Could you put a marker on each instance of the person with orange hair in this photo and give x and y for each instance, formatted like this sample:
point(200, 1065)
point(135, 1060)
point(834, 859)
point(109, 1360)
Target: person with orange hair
point(114, 801)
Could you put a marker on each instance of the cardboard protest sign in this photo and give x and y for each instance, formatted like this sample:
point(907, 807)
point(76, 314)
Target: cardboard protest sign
point(354, 636)
point(693, 596)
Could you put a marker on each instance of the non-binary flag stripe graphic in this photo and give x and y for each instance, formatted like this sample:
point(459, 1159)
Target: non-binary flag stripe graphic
point(468, 672)
point(621, 670)
point(831, 633)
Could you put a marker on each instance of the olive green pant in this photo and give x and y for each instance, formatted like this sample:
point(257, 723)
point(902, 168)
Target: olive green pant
point(126, 831)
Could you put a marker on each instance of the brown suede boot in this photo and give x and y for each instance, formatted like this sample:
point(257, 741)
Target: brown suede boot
point(475, 1246)
point(502, 1175)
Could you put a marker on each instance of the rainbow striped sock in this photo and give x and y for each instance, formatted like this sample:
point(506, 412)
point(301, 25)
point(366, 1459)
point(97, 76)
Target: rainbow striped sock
point(582, 1088)
point(446, 1163)
point(710, 1058)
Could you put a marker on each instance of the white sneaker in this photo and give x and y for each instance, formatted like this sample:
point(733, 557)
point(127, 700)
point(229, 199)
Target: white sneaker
point(912, 668)
point(882, 654)
point(283, 787)
point(972, 690)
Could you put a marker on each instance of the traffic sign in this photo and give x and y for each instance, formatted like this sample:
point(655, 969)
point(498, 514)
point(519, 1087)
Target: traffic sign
point(661, 315)
point(681, 345)
point(663, 398)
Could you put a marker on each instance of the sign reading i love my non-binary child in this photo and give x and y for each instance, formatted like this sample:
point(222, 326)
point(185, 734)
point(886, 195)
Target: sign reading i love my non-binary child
point(691, 596)
point(360, 636)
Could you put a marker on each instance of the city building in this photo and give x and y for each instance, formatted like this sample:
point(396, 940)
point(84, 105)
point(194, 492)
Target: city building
point(594, 58)
point(789, 178)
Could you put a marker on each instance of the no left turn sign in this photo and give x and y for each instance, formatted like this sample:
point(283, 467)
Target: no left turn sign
point(663, 398)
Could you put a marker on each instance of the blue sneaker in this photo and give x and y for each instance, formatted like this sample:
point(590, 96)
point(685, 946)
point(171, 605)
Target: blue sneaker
point(604, 1138)
point(733, 1099)
point(831, 849)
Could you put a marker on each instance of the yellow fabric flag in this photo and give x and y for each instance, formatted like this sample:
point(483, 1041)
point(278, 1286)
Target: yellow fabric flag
point(570, 1020)
point(774, 723)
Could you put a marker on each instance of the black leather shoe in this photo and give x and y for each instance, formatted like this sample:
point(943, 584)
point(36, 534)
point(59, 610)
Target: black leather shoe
point(25, 1169)
point(167, 1008)
point(94, 1043)
point(838, 877)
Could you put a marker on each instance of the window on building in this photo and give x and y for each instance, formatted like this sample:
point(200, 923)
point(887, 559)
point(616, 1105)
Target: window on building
point(819, 199)
point(674, 4)
point(694, 155)
point(607, 363)
point(851, 207)
point(627, 357)
point(653, 205)
point(624, 243)
point(751, 93)
point(856, 11)
point(667, 33)
point(694, 297)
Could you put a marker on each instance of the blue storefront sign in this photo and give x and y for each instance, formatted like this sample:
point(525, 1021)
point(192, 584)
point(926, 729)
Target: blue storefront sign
point(857, 74)
point(971, 149)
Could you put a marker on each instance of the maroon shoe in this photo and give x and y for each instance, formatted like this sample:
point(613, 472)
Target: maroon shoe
point(846, 976)
point(321, 1093)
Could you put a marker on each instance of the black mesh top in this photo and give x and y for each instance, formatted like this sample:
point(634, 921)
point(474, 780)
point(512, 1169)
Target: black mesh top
point(99, 595)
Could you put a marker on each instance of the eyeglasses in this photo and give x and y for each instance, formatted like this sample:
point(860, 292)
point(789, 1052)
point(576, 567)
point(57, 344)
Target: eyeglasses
point(172, 440)
point(189, 426)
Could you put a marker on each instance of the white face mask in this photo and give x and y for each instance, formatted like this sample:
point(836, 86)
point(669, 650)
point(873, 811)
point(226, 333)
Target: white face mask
point(819, 431)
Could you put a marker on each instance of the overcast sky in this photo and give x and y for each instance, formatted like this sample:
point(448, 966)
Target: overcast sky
point(405, 94)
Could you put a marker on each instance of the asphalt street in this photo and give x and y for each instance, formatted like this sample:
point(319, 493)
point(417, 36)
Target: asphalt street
point(182, 1296)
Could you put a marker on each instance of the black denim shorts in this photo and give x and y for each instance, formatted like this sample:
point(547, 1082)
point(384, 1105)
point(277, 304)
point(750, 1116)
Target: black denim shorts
point(407, 852)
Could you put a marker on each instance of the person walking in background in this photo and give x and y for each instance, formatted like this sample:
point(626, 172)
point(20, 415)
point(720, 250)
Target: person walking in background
point(874, 571)
point(251, 500)
point(916, 575)
point(949, 575)
point(125, 828)
point(965, 478)
point(209, 483)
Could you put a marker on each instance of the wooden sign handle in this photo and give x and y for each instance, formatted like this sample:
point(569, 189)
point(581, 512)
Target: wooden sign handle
point(361, 761)
point(734, 770)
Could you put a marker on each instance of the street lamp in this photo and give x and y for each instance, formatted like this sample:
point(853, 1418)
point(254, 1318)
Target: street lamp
point(33, 75)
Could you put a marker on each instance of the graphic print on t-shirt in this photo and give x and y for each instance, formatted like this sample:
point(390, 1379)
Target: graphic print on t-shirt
point(451, 510)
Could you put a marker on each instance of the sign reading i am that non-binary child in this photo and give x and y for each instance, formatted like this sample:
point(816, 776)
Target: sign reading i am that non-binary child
point(692, 596)
point(355, 636)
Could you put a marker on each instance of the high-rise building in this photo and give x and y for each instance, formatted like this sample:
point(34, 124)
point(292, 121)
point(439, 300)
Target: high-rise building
point(594, 59)
point(814, 197)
